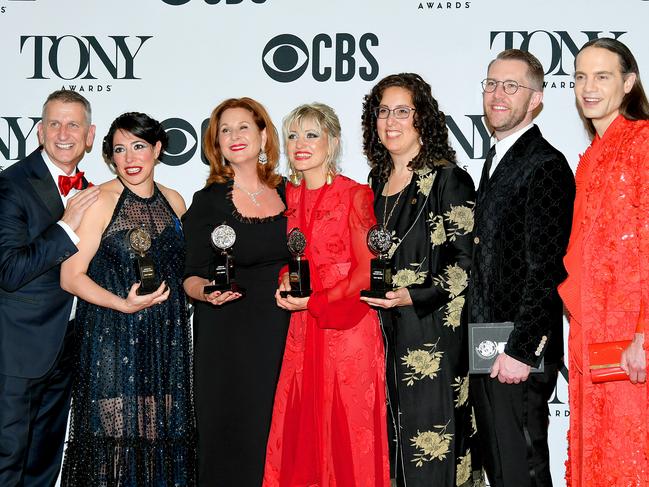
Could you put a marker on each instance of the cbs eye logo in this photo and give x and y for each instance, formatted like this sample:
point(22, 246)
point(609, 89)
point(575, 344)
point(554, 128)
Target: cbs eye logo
point(286, 57)
point(183, 142)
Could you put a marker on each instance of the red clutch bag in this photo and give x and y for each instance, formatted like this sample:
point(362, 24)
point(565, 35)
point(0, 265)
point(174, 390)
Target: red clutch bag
point(605, 361)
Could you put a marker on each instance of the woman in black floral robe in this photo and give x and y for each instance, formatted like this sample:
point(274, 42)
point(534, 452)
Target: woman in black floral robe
point(426, 202)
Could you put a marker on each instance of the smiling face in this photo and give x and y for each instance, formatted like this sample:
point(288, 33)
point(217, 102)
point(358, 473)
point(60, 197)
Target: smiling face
point(240, 139)
point(505, 113)
point(65, 133)
point(307, 147)
point(600, 86)
point(134, 158)
point(398, 135)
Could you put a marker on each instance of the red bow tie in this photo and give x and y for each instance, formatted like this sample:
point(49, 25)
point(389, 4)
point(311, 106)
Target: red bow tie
point(66, 183)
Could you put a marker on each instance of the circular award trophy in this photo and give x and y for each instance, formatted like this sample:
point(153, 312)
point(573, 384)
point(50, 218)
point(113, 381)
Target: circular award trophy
point(298, 266)
point(379, 242)
point(222, 239)
point(140, 241)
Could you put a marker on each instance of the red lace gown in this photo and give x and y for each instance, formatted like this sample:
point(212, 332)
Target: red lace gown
point(607, 287)
point(329, 418)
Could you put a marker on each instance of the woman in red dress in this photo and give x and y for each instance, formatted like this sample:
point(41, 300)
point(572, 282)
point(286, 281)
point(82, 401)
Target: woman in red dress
point(329, 419)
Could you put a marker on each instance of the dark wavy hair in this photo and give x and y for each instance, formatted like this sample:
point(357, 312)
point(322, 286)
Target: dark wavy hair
point(634, 105)
point(220, 169)
point(138, 124)
point(428, 120)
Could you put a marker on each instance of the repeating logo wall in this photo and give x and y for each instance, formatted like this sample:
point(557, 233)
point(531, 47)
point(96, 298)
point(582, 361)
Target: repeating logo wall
point(474, 143)
point(555, 49)
point(14, 132)
point(286, 57)
point(82, 58)
point(184, 139)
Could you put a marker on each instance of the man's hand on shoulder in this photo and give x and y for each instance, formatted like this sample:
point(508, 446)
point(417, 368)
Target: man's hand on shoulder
point(509, 370)
point(77, 206)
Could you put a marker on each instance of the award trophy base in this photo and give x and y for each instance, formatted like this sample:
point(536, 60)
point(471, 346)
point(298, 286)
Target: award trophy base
point(374, 293)
point(145, 274)
point(223, 287)
point(380, 279)
point(296, 293)
point(299, 278)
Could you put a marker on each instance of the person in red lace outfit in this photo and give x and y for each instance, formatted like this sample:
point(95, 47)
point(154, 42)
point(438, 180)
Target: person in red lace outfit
point(607, 289)
point(329, 419)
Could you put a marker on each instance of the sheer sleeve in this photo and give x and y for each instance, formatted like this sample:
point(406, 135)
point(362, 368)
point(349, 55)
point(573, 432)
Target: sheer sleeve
point(340, 307)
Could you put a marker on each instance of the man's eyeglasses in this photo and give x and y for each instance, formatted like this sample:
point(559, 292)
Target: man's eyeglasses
point(399, 112)
point(509, 86)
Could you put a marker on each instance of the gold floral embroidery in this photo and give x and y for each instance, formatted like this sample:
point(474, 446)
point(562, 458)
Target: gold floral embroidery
point(454, 281)
point(474, 424)
point(432, 445)
point(423, 171)
point(437, 234)
point(425, 183)
point(396, 241)
point(453, 316)
point(460, 220)
point(461, 386)
point(463, 471)
point(406, 277)
point(422, 363)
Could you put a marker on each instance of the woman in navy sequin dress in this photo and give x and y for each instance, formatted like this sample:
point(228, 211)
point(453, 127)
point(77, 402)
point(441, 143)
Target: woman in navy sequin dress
point(132, 418)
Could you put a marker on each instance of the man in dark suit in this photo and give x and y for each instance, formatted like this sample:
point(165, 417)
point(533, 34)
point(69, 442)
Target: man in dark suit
point(522, 223)
point(37, 224)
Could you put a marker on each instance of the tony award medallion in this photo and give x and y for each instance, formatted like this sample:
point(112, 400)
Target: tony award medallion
point(379, 242)
point(140, 241)
point(222, 271)
point(298, 266)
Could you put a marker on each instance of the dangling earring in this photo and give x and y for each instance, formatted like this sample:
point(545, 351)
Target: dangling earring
point(421, 141)
point(262, 158)
point(330, 177)
point(293, 178)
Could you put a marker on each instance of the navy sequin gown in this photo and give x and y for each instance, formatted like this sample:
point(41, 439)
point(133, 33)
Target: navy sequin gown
point(132, 418)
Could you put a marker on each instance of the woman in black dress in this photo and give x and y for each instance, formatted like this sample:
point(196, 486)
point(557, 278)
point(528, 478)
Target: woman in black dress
point(132, 420)
point(239, 339)
point(426, 201)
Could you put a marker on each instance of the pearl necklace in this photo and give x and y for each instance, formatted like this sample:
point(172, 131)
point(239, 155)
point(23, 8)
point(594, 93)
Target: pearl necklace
point(251, 195)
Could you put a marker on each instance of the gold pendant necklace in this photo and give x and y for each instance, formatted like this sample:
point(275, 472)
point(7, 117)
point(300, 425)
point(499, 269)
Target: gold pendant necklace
point(386, 215)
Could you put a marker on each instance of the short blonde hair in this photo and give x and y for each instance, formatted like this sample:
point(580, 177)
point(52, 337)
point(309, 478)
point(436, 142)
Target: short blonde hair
point(326, 120)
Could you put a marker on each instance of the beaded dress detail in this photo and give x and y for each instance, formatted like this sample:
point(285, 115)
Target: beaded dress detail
point(132, 418)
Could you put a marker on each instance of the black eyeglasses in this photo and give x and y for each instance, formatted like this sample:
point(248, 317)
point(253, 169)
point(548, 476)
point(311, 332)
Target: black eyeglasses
point(399, 112)
point(509, 86)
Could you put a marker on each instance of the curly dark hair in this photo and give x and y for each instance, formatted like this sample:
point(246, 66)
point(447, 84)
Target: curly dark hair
point(428, 120)
point(138, 124)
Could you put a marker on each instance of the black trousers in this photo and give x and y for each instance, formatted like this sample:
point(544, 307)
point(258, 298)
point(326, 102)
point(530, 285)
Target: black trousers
point(512, 422)
point(33, 418)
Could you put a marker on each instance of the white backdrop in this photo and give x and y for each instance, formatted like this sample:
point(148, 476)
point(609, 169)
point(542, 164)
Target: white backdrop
point(177, 59)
